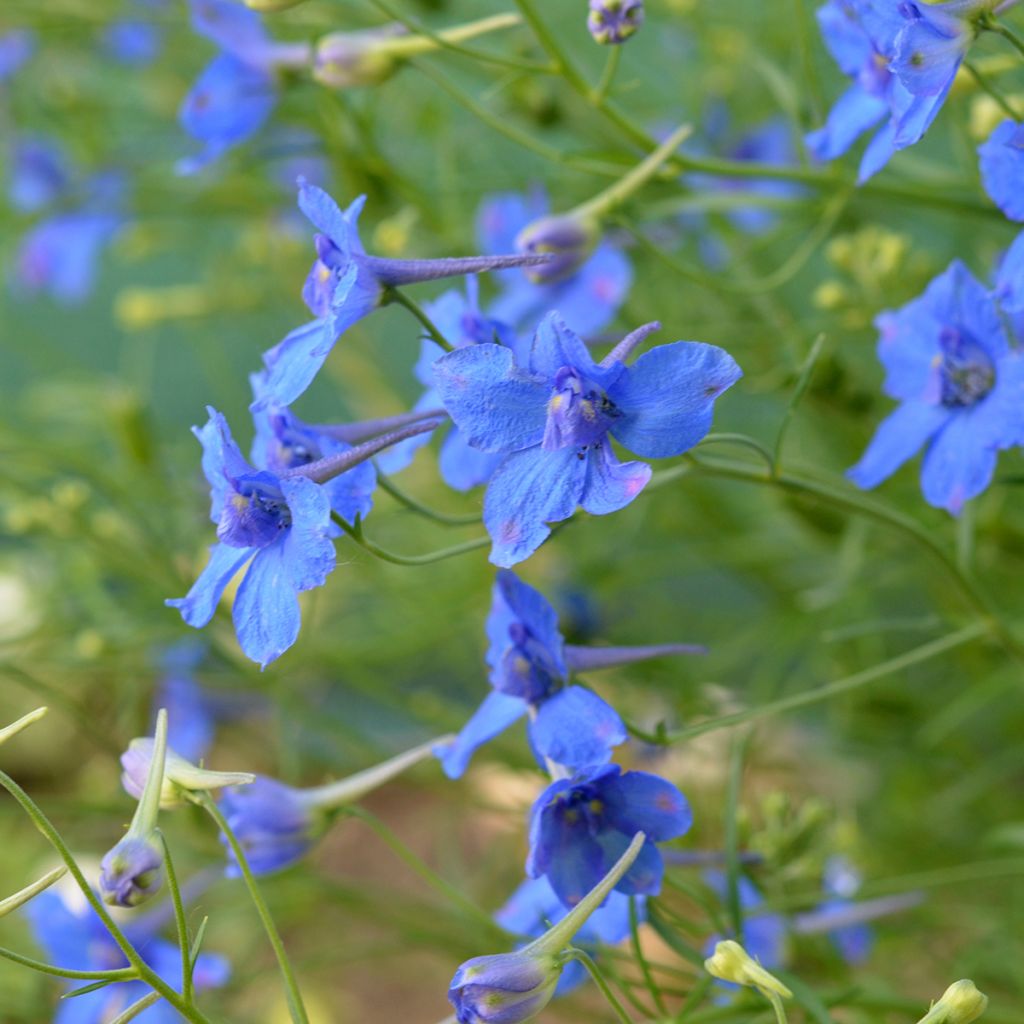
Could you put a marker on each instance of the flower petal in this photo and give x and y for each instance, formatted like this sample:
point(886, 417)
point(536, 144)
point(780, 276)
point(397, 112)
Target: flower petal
point(295, 360)
point(853, 114)
point(307, 546)
point(266, 611)
point(497, 712)
point(611, 484)
point(642, 802)
point(577, 729)
point(199, 604)
point(899, 436)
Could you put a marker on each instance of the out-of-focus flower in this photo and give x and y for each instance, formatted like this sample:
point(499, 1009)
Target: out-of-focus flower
point(1001, 160)
point(132, 42)
point(16, 47)
point(39, 174)
point(611, 22)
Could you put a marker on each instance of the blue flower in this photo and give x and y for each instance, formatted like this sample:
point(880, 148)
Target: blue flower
point(75, 938)
point(16, 47)
point(39, 174)
point(504, 988)
point(534, 906)
point(878, 44)
point(135, 43)
point(344, 285)
point(579, 827)
point(961, 384)
point(530, 665)
point(1001, 159)
point(131, 872)
point(237, 91)
point(191, 713)
point(280, 525)
point(552, 417)
point(611, 22)
point(588, 298)
point(273, 822)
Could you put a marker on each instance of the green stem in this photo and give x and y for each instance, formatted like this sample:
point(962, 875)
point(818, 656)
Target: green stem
point(15, 727)
point(912, 657)
point(396, 559)
point(141, 969)
point(20, 898)
point(985, 83)
point(595, 972)
point(295, 1005)
point(179, 921)
point(611, 66)
point(387, 484)
point(731, 839)
point(136, 1008)
point(118, 974)
point(803, 381)
point(1008, 34)
point(776, 1000)
point(148, 809)
point(645, 967)
point(740, 439)
point(399, 297)
point(550, 43)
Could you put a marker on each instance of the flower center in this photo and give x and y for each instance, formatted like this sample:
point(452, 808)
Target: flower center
point(967, 371)
point(528, 669)
point(579, 412)
point(255, 514)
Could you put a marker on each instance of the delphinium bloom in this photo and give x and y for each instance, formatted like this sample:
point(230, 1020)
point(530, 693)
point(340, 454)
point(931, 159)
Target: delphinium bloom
point(237, 91)
point(902, 58)
point(553, 415)
point(1001, 160)
point(277, 521)
point(344, 285)
point(960, 381)
point(587, 289)
point(191, 714)
point(73, 937)
point(579, 827)
point(16, 47)
point(611, 22)
point(530, 668)
point(534, 906)
point(38, 175)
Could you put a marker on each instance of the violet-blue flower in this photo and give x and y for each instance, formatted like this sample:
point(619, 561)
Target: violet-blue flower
point(580, 826)
point(960, 381)
point(16, 48)
point(73, 937)
point(133, 42)
point(345, 284)
point(588, 297)
point(191, 713)
point(1001, 159)
point(552, 416)
point(38, 175)
point(530, 667)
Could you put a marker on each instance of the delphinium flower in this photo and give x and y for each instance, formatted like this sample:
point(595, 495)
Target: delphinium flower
point(1001, 160)
point(39, 173)
point(191, 714)
point(73, 937)
point(553, 414)
point(133, 42)
point(580, 825)
point(960, 381)
point(16, 47)
point(534, 906)
point(237, 91)
point(279, 522)
point(530, 668)
point(902, 58)
point(276, 824)
point(344, 285)
point(611, 22)
point(587, 289)
point(510, 988)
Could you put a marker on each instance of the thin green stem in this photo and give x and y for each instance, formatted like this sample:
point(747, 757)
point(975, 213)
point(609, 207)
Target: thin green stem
point(599, 979)
point(294, 997)
point(986, 84)
point(136, 1008)
point(550, 43)
point(734, 904)
point(803, 381)
point(645, 967)
point(356, 534)
point(1007, 33)
point(179, 921)
point(118, 974)
point(776, 1000)
point(740, 439)
point(414, 505)
point(141, 969)
point(902, 661)
point(611, 66)
point(396, 295)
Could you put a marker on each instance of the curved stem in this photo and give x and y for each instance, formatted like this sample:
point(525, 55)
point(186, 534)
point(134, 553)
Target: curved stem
point(295, 1005)
point(645, 967)
point(117, 974)
point(985, 83)
point(356, 534)
point(611, 66)
point(179, 921)
point(387, 484)
point(1008, 34)
point(399, 297)
point(595, 972)
point(776, 1000)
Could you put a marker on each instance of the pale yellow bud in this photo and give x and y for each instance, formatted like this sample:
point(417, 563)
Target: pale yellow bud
point(961, 1003)
point(731, 962)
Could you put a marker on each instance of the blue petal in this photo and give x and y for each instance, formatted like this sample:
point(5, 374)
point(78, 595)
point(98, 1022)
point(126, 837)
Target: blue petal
point(1001, 160)
point(60, 254)
point(326, 216)
point(611, 484)
point(556, 345)
point(497, 406)
point(198, 606)
point(645, 873)
point(223, 461)
point(495, 715)
point(667, 397)
point(845, 37)
point(294, 361)
point(577, 729)
point(462, 467)
point(515, 601)
point(266, 611)
point(230, 25)
point(878, 153)
point(927, 58)
point(899, 436)
point(570, 857)
point(642, 802)
point(912, 115)
point(530, 489)
point(307, 545)
point(501, 218)
point(1009, 290)
point(958, 466)
point(853, 114)
point(229, 102)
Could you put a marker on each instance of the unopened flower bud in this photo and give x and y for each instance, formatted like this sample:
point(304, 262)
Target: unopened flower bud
point(505, 988)
point(961, 1003)
point(569, 239)
point(345, 59)
point(613, 21)
point(731, 962)
point(131, 872)
point(179, 774)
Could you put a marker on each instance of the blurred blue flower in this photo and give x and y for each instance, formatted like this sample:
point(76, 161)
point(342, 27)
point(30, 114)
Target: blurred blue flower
point(530, 665)
point(960, 380)
point(191, 714)
point(39, 173)
point(345, 284)
point(73, 937)
point(16, 47)
point(534, 906)
point(1001, 160)
point(552, 416)
point(580, 826)
point(237, 91)
point(611, 22)
point(588, 298)
point(880, 45)
point(279, 524)
point(131, 42)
